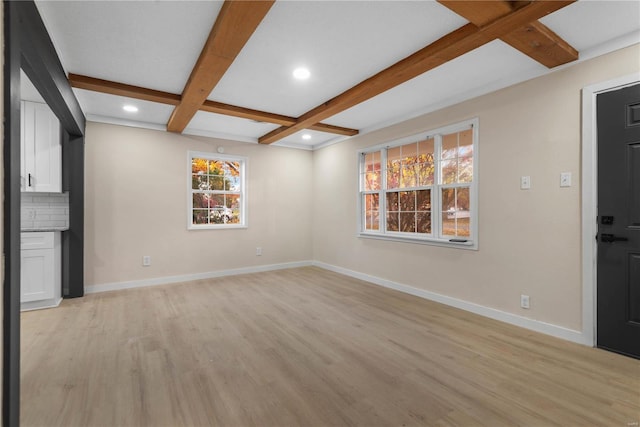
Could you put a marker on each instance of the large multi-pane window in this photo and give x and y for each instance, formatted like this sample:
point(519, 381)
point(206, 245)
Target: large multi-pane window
point(216, 191)
point(422, 187)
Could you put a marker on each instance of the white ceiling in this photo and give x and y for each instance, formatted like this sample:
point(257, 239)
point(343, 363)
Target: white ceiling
point(155, 44)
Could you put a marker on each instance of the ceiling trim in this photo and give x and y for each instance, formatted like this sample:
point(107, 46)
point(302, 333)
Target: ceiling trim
point(535, 39)
point(137, 92)
point(234, 25)
point(451, 46)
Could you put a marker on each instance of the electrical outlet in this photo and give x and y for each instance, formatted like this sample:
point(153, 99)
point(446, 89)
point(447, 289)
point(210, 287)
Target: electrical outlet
point(525, 182)
point(32, 214)
point(565, 179)
point(258, 251)
point(524, 301)
point(146, 260)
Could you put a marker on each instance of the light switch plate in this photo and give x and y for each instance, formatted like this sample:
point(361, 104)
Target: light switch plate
point(525, 182)
point(565, 179)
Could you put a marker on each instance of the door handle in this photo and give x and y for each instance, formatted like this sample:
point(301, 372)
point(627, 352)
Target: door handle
point(610, 238)
point(29, 180)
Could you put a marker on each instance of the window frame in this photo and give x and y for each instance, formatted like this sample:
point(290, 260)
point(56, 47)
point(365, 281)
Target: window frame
point(435, 238)
point(243, 190)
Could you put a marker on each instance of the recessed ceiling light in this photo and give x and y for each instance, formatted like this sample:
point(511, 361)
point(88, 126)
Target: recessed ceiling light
point(130, 108)
point(301, 73)
point(306, 136)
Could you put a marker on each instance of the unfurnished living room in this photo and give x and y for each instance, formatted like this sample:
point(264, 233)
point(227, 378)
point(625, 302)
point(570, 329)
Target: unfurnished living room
point(321, 213)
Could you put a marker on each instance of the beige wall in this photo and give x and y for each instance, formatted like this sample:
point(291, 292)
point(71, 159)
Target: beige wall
point(529, 241)
point(302, 205)
point(136, 204)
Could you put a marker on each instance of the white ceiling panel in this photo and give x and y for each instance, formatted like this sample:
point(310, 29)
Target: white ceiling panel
point(221, 126)
point(309, 139)
point(587, 24)
point(152, 44)
point(102, 106)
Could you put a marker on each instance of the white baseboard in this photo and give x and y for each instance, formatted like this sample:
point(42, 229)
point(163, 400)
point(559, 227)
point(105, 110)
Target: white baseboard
point(104, 287)
point(492, 313)
point(38, 305)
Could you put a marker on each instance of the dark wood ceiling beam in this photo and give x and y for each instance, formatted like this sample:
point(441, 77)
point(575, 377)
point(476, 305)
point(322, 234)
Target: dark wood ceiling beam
point(137, 92)
point(235, 24)
point(451, 46)
point(534, 39)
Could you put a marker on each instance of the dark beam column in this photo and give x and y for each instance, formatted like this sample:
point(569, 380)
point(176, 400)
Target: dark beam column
point(41, 64)
point(11, 221)
point(73, 239)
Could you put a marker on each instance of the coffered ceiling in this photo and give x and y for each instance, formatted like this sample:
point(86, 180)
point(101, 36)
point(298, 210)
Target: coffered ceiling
point(225, 69)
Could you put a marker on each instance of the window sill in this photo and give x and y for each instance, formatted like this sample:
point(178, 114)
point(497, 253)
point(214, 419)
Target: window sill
point(216, 227)
point(468, 245)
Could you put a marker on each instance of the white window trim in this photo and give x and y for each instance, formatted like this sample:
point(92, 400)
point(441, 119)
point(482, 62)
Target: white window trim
point(244, 161)
point(432, 239)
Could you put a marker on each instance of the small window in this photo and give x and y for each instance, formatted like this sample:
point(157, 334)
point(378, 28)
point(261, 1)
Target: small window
point(217, 197)
point(422, 188)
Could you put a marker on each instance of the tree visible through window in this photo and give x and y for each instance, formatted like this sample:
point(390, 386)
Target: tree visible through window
point(216, 190)
point(421, 187)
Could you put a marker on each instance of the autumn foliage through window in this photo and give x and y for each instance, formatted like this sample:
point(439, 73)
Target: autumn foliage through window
point(216, 190)
point(420, 188)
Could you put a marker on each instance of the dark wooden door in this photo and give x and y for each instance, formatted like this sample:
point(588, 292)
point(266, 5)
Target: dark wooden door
point(618, 119)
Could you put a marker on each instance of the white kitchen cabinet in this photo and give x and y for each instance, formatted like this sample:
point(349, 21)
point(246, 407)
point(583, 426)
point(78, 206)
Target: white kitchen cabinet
point(40, 270)
point(40, 149)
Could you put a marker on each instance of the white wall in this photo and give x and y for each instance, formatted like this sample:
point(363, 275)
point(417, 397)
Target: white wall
point(529, 241)
point(136, 204)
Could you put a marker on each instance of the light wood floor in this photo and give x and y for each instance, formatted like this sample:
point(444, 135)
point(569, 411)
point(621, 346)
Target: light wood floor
point(306, 347)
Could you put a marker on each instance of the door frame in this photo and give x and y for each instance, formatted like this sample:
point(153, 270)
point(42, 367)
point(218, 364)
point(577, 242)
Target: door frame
point(590, 200)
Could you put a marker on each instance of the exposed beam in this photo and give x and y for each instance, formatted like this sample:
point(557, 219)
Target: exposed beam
point(42, 65)
point(234, 26)
point(246, 113)
point(453, 45)
point(137, 92)
point(533, 39)
point(540, 43)
point(121, 89)
point(322, 127)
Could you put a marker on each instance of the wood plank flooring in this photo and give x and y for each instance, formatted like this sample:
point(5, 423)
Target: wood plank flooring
point(306, 347)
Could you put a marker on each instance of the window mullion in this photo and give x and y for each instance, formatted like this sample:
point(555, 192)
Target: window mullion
point(436, 211)
point(382, 207)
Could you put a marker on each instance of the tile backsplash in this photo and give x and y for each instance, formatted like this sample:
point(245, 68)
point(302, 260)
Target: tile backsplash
point(44, 210)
